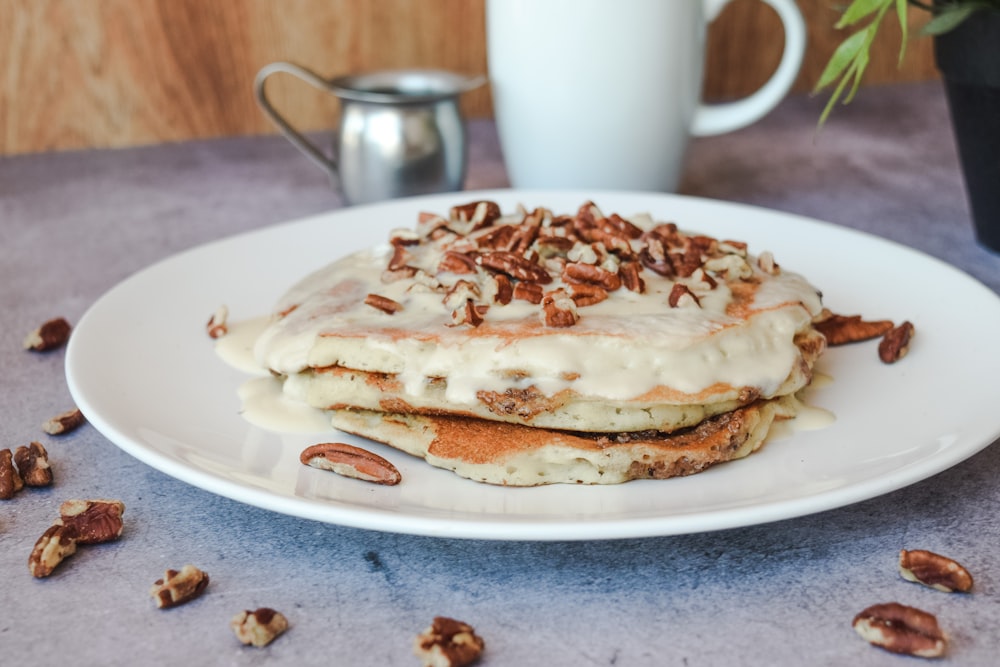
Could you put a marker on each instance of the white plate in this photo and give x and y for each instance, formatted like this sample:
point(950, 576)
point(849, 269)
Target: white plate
point(142, 369)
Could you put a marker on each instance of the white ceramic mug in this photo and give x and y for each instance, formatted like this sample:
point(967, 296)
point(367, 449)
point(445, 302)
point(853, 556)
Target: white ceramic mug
point(607, 93)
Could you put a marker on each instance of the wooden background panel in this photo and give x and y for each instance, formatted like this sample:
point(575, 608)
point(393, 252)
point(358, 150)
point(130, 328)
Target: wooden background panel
point(107, 73)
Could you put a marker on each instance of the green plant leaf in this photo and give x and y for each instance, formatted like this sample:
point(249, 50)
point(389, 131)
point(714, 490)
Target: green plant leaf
point(859, 9)
point(950, 17)
point(841, 59)
point(903, 16)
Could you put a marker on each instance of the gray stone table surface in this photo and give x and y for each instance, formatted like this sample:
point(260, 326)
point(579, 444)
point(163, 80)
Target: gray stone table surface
point(72, 225)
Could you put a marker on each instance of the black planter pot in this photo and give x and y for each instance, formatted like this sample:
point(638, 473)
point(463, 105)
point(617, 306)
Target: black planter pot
point(969, 60)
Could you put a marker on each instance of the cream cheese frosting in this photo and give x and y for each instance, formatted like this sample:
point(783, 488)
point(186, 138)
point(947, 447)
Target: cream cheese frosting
point(734, 325)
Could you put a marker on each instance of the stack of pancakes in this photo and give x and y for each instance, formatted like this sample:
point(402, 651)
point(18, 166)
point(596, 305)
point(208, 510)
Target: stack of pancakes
point(534, 348)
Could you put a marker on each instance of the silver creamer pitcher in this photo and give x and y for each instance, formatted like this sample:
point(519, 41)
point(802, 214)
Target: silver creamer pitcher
point(401, 132)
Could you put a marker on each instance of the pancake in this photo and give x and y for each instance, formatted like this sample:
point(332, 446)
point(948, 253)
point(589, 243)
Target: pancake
point(336, 388)
point(585, 322)
point(516, 455)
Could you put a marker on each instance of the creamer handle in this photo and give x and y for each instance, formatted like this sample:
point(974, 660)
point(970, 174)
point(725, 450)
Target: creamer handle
point(712, 119)
point(297, 138)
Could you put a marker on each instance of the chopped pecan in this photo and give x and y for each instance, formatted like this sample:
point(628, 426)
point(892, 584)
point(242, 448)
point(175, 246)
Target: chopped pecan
point(448, 643)
point(631, 276)
point(901, 629)
point(216, 326)
point(588, 214)
point(895, 343)
point(530, 292)
point(559, 309)
point(844, 329)
point(400, 257)
point(609, 237)
point(64, 423)
point(767, 264)
point(589, 274)
point(404, 236)
point(10, 479)
point(479, 213)
point(431, 225)
point(622, 225)
point(259, 627)
point(588, 295)
point(55, 545)
point(677, 294)
point(456, 262)
point(179, 586)
point(523, 237)
point(33, 464)
point(730, 247)
point(402, 273)
point(655, 259)
point(49, 336)
point(460, 293)
point(383, 303)
point(934, 570)
point(705, 277)
point(351, 461)
point(693, 252)
point(733, 267)
point(515, 266)
point(497, 238)
point(505, 289)
point(468, 314)
point(93, 521)
point(554, 246)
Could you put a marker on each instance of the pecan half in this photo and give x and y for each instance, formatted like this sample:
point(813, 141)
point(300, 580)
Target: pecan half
point(33, 464)
point(844, 329)
point(259, 627)
point(901, 629)
point(934, 570)
point(64, 423)
point(529, 292)
point(351, 461)
point(448, 643)
point(179, 586)
point(10, 479)
point(456, 262)
point(497, 238)
point(216, 325)
point(622, 225)
point(895, 343)
point(55, 545)
point(515, 266)
point(383, 303)
point(525, 234)
point(93, 521)
point(578, 272)
point(49, 336)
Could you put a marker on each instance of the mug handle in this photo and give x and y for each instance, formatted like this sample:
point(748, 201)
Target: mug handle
point(712, 119)
point(297, 138)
